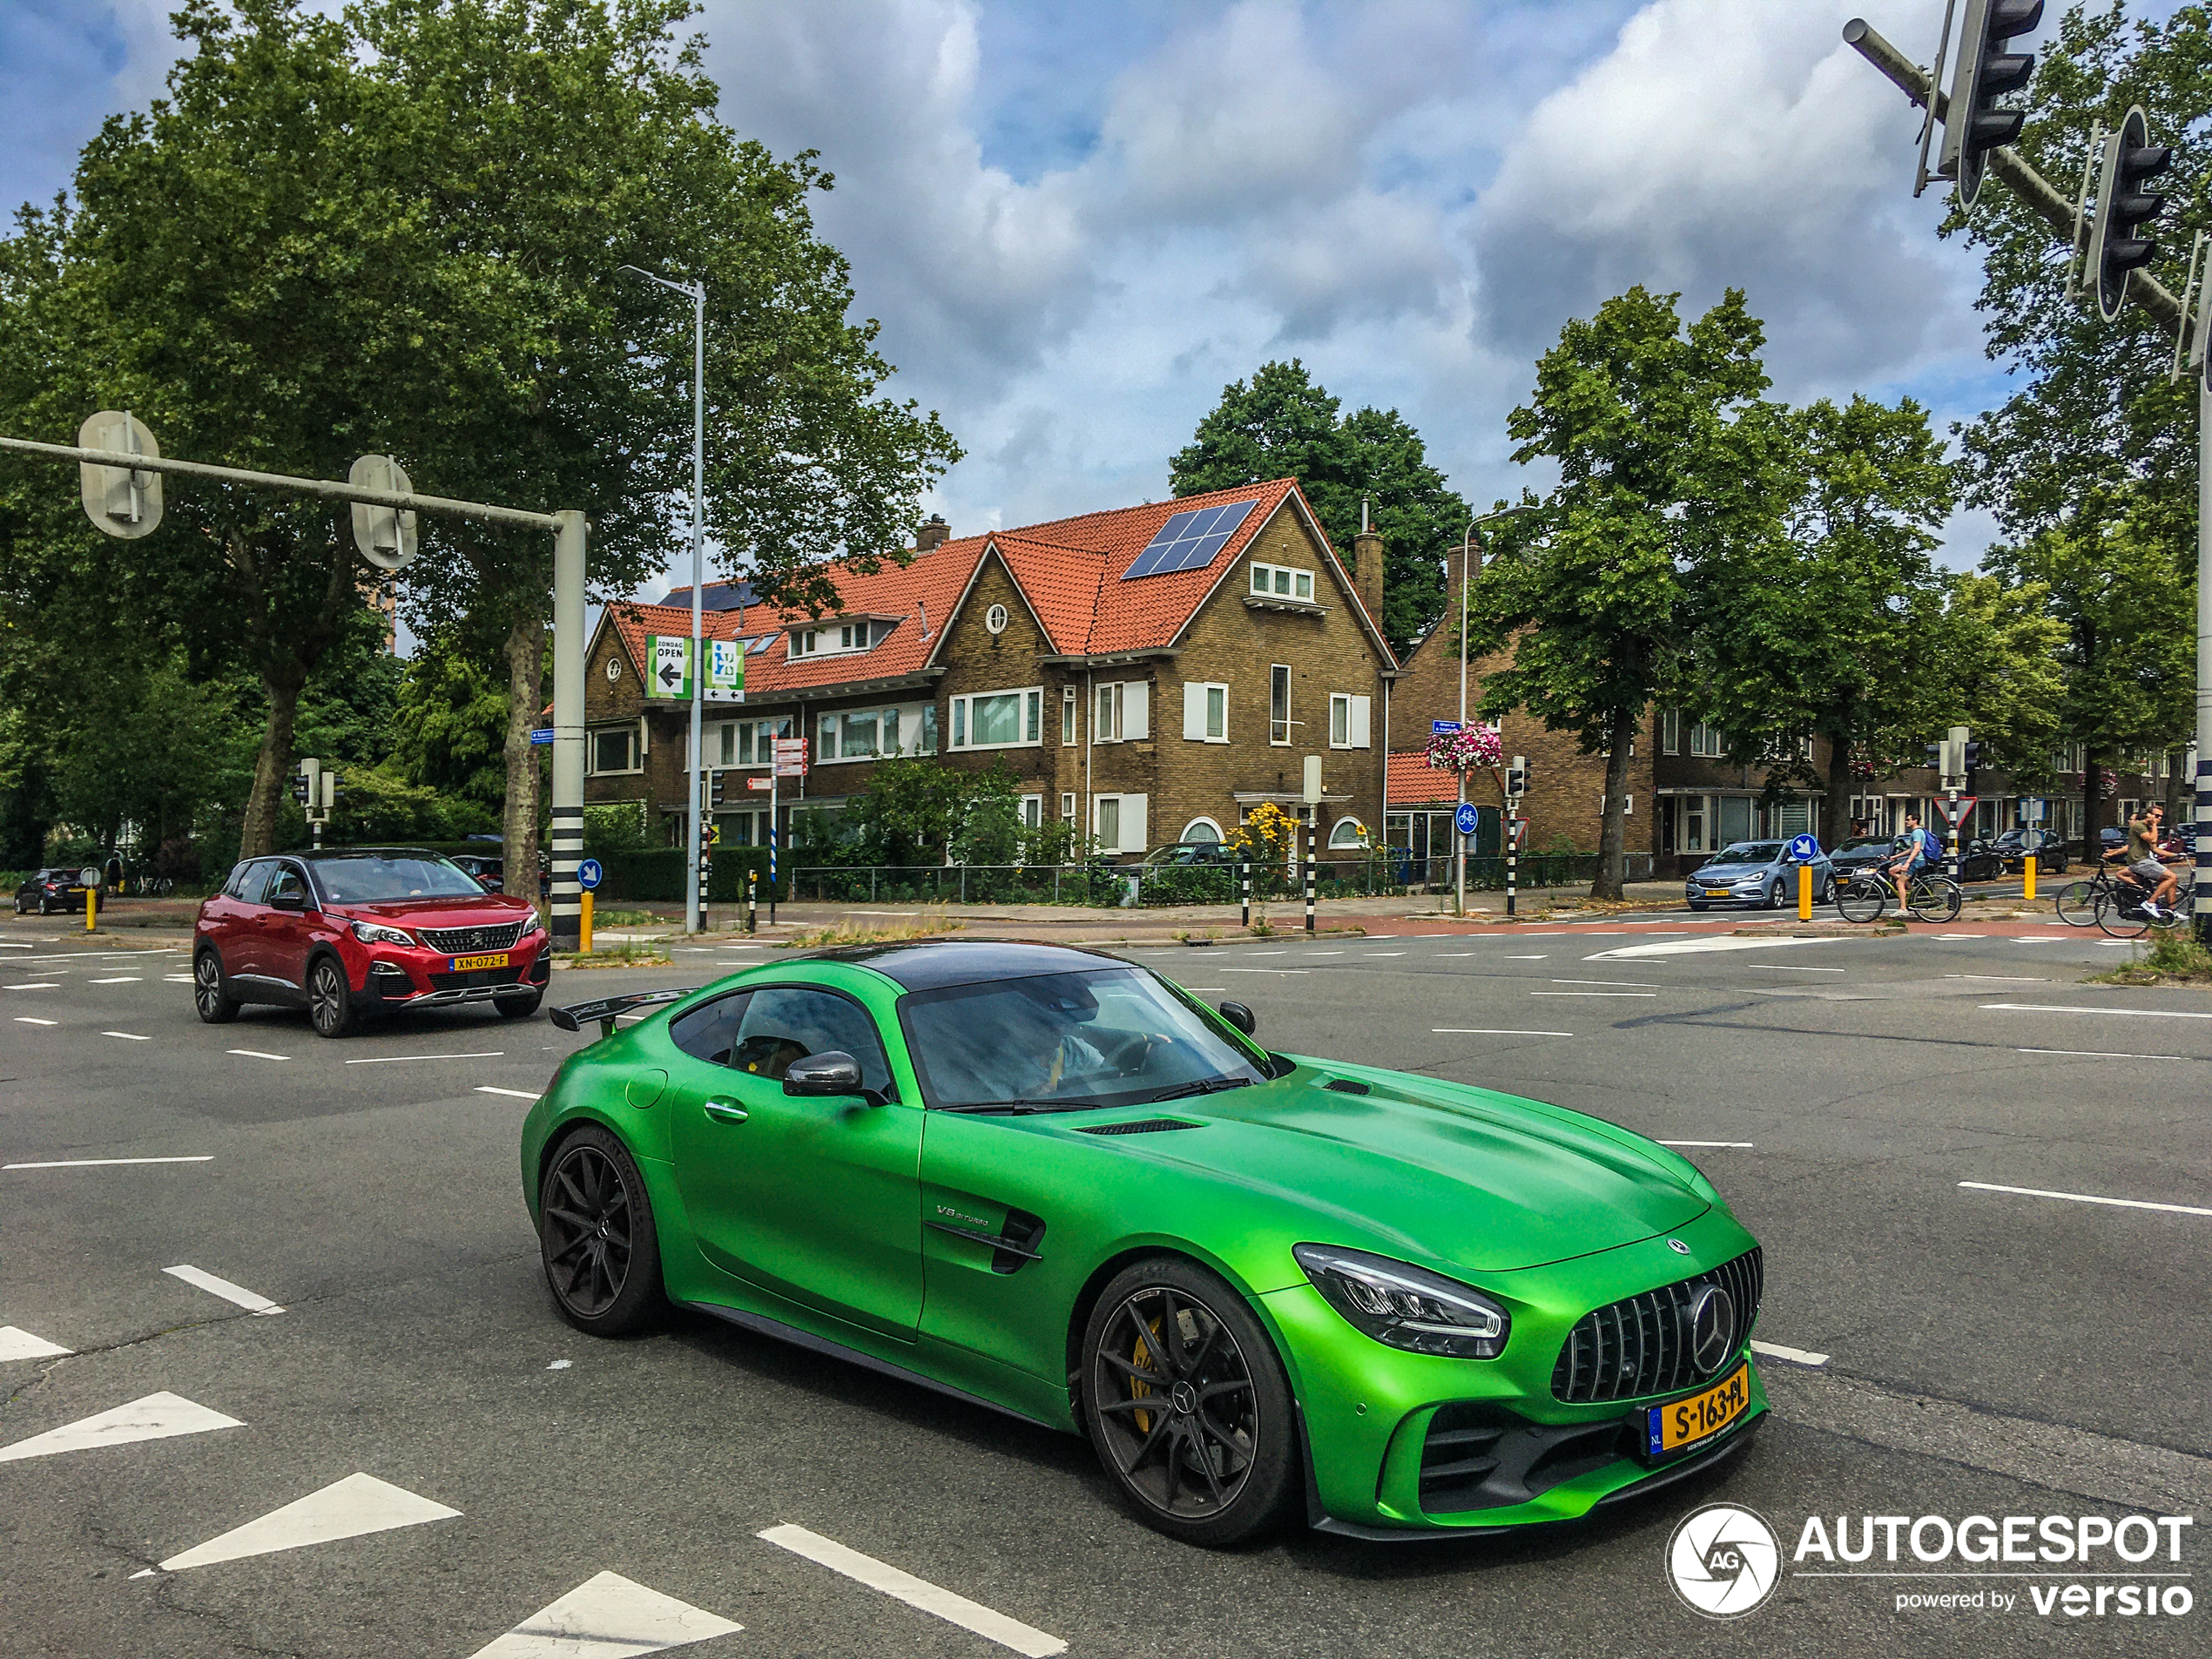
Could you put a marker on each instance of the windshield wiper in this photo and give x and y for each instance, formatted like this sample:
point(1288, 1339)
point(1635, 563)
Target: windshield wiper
point(1203, 1086)
point(1023, 1107)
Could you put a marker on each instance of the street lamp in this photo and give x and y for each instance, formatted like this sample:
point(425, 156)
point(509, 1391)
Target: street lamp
point(1467, 550)
point(695, 884)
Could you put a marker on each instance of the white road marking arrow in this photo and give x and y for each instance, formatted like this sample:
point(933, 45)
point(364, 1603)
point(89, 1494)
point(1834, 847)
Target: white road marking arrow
point(607, 1617)
point(157, 1417)
point(347, 1508)
point(21, 1345)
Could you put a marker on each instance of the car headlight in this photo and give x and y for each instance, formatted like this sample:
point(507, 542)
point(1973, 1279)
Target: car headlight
point(1406, 1307)
point(371, 932)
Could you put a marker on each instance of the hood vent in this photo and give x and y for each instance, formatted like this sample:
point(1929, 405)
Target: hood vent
point(1136, 1126)
point(1348, 1086)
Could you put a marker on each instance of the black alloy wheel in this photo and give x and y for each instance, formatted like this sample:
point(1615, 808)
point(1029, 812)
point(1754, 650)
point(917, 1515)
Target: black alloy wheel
point(330, 1001)
point(596, 1234)
point(209, 995)
point(1187, 1404)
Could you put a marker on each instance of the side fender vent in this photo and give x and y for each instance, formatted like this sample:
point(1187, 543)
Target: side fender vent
point(1136, 1126)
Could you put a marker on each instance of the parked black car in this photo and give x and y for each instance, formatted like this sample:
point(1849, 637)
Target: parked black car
point(51, 890)
point(1188, 852)
point(1978, 861)
point(2014, 845)
point(488, 873)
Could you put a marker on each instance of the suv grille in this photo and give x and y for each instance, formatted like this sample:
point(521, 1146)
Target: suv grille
point(459, 940)
point(475, 977)
point(1640, 1346)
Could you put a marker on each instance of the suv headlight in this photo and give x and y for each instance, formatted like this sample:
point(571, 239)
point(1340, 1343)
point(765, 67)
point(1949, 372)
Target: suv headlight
point(372, 932)
point(1406, 1307)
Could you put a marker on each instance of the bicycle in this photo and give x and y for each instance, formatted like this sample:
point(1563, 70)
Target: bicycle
point(2076, 902)
point(1863, 896)
point(2120, 911)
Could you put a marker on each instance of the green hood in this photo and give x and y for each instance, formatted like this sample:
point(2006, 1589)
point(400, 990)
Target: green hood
point(1439, 1172)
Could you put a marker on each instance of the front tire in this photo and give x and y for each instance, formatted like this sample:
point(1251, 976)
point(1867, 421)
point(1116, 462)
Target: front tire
point(517, 1008)
point(211, 992)
point(2077, 903)
point(1187, 1405)
point(1861, 901)
point(596, 1237)
point(330, 1000)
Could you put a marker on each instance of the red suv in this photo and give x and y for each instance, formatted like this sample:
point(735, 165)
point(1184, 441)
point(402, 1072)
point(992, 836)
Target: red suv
point(346, 934)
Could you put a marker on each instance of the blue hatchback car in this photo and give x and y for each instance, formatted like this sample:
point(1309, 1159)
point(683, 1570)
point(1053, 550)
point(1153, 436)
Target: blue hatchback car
point(1756, 874)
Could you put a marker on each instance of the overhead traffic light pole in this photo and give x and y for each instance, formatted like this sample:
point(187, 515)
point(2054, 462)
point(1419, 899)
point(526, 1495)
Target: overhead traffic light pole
point(2118, 262)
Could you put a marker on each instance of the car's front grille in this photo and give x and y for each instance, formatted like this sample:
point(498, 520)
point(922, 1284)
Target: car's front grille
point(1640, 1346)
point(475, 977)
point(458, 940)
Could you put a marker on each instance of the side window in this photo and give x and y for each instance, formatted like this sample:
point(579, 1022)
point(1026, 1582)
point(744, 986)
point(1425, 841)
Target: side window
point(288, 880)
point(252, 880)
point(789, 1022)
point(709, 1032)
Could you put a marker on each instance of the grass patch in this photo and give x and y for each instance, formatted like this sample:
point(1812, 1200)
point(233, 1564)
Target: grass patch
point(2172, 959)
point(628, 953)
point(853, 933)
point(612, 917)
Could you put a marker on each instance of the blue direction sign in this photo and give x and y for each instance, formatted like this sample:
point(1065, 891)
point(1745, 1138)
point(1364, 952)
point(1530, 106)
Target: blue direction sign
point(542, 734)
point(1438, 728)
point(589, 874)
point(1467, 820)
point(1803, 849)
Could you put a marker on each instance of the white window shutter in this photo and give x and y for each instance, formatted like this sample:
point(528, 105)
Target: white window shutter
point(1135, 836)
point(1137, 719)
point(1194, 711)
point(1359, 721)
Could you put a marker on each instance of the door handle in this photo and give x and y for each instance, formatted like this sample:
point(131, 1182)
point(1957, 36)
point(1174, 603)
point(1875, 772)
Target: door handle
point(725, 1111)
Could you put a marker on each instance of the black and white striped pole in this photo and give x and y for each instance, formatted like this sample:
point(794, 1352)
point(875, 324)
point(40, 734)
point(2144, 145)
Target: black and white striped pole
point(1313, 793)
point(1244, 885)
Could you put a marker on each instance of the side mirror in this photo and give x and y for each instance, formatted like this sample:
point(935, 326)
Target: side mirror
point(1240, 1017)
point(831, 1072)
point(289, 902)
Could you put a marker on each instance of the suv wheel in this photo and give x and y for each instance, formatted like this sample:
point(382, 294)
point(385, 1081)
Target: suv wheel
point(211, 994)
point(517, 1008)
point(330, 1000)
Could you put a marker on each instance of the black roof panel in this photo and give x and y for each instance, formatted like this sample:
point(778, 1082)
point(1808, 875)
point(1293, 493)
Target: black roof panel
point(930, 964)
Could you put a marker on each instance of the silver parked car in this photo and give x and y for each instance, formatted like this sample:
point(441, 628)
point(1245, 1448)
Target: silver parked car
point(1756, 874)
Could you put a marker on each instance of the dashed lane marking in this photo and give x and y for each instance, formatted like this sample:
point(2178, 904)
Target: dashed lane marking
point(1263, 970)
point(519, 1094)
point(128, 1036)
point(1795, 1356)
point(1617, 984)
point(1625, 995)
point(32, 1019)
point(2099, 1053)
point(2085, 1198)
point(608, 1616)
point(390, 1059)
point(256, 1054)
point(156, 1417)
point(1519, 959)
point(121, 979)
point(42, 985)
point(1741, 1146)
point(2059, 1007)
point(347, 1508)
point(91, 1164)
point(237, 1294)
point(16, 1343)
point(916, 1592)
point(1792, 967)
point(1489, 1031)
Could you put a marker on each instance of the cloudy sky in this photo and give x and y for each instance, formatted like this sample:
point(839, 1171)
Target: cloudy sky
point(1076, 222)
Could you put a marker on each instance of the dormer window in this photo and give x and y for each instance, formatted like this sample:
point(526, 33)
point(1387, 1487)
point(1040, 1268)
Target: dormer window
point(831, 639)
point(1276, 582)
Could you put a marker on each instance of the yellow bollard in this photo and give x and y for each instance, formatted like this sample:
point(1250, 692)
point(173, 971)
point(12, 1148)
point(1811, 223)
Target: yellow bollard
point(91, 908)
point(583, 937)
point(2030, 867)
point(1804, 893)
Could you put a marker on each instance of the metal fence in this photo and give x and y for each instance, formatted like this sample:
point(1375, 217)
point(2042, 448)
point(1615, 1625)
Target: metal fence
point(1094, 885)
point(1536, 870)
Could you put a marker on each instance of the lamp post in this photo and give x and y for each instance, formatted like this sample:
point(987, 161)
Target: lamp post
point(1467, 561)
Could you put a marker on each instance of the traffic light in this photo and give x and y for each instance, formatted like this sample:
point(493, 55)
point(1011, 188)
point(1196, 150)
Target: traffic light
point(2125, 209)
point(1517, 778)
point(306, 783)
point(1984, 73)
point(719, 784)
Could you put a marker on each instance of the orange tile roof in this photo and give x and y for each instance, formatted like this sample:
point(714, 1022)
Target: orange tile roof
point(1413, 782)
point(1069, 570)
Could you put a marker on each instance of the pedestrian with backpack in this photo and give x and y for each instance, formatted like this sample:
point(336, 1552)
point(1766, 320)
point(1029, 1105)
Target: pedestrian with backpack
point(1915, 849)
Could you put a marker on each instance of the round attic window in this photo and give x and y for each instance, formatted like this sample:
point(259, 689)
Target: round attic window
point(994, 619)
point(614, 668)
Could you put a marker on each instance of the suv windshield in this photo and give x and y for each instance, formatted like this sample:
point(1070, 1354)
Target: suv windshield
point(383, 878)
point(1111, 1037)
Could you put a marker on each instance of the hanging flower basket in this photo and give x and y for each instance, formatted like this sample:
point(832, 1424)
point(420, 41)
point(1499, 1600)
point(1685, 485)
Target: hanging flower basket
point(1466, 749)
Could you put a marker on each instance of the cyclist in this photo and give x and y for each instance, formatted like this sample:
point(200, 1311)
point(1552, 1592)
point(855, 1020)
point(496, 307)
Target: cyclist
point(2145, 868)
point(1915, 851)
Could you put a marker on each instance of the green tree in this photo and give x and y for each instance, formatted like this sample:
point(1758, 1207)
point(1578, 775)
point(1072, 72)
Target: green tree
point(148, 749)
point(1281, 425)
point(449, 727)
point(1670, 468)
point(2002, 653)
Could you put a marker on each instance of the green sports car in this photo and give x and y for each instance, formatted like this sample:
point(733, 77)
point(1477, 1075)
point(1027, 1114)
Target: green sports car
point(1058, 1185)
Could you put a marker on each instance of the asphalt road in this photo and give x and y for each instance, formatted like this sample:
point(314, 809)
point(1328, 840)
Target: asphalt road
point(1979, 1351)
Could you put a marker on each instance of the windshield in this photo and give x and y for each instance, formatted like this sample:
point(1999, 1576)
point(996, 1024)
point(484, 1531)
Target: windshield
point(1109, 1037)
point(383, 878)
point(1749, 853)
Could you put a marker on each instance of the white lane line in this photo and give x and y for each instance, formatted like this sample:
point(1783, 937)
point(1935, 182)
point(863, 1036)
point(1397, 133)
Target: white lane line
point(1791, 967)
point(237, 1294)
point(1371, 955)
point(916, 1592)
point(1618, 984)
point(1205, 990)
point(1629, 995)
point(8, 945)
point(1330, 953)
point(389, 1059)
point(2004, 979)
point(519, 1094)
point(2066, 1007)
point(21, 1345)
point(1519, 959)
point(156, 1417)
point(32, 1019)
point(1489, 1031)
point(256, 1054)
point(89, 1163)
point(1263, 970)
point(1698, 947)
point(1742, 1146)
point(43, 985)
point(128, 1036)
point(177, 979)
point(1266, 952)
point(610, 1615)
point(1795, 1356)
point(2085, 1198)
point(124, 979)
point(1440, 954)
point(349, 1508)
point(2100, 1054)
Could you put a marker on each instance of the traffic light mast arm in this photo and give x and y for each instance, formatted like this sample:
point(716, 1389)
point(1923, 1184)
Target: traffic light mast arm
point(2008, 163)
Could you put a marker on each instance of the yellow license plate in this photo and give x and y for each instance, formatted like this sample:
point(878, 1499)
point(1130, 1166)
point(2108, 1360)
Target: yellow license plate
point(465, 964)
point(1717, 893)
point(1668, 1428)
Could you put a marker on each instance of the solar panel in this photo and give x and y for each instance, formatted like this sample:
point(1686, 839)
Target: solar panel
point(1189, 541)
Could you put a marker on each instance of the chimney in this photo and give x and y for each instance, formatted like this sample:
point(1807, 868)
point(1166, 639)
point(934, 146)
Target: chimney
point(1367, 569)
point(935, 533)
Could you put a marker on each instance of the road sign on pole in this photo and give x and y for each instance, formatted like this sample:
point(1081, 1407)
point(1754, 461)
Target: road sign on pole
point(123, 501)
point(386, 535)
point(589, 874)
point(1803, 849)
point(791, 757)
point(542, 734)
point(725, 670)
point(1442, 728)
point(669, 674)
point(1955, 811)
point(1466, 820)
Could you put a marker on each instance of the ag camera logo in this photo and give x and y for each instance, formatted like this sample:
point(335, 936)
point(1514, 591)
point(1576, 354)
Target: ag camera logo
point(1724, 1560)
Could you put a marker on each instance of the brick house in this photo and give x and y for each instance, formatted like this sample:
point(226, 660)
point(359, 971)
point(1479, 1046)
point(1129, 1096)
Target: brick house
point(1149, 674)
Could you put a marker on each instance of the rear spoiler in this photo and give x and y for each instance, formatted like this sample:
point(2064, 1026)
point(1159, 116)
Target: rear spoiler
point(607, 1009)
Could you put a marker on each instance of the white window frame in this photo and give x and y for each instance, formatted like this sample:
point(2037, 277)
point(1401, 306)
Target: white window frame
point(1209, 823)
point(916, 724)
point(1121, 712)
point(1627, 806)
point(1069, 702)
point(1707, 742)
point(1359, 833)
point(1068, 806)
point(634, 748)
point(1295, 584)
point(1032, 811)
point(836, 637)
point(1279, 723)
point(1205, 711)
point(1127, 817)
point(962, 720)
point(1352, 716)
point(1670, 732)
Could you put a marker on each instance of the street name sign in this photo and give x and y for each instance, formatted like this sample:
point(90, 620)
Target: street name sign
point(542, 734)
point(1440, 728)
